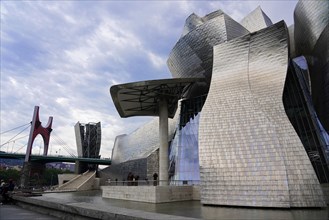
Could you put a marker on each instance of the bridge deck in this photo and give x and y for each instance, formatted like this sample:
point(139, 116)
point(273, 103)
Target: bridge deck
point(50, 159)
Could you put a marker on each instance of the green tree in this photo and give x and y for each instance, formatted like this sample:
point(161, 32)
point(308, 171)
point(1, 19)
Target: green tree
point(10, 174)
point(50, 176)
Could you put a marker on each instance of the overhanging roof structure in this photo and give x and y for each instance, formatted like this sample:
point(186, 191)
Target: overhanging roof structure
point(141, 98)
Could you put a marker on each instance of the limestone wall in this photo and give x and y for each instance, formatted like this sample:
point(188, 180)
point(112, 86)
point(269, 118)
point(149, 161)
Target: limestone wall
point(62, 178)
point(151, 194)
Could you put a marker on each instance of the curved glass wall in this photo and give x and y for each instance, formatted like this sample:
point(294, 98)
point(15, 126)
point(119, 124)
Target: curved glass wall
point(184, 148)
point(184, 154)
point(300, 111)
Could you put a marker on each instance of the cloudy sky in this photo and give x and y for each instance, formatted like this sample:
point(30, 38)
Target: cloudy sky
point(64, 55)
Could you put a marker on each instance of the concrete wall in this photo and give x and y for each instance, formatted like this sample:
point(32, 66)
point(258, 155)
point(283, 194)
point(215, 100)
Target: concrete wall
point(65, 178)
point(196, 192)
point(97, 182)
point(325, 189)
point(151, 194)
point(88, 184)
point(85, 181)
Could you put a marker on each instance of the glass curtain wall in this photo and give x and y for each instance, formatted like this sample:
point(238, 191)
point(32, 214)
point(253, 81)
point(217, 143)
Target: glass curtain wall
point(184, 149)
point(300, 111)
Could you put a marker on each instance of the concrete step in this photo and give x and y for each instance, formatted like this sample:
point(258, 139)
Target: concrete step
point(76, 183)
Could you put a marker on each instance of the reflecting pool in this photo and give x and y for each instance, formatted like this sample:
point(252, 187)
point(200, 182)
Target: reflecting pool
point(191, 208)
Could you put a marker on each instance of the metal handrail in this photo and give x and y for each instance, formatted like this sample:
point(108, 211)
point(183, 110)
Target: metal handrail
point(111, 182)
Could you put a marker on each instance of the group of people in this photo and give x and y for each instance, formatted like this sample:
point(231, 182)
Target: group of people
point(132, 180)
point(5, 189)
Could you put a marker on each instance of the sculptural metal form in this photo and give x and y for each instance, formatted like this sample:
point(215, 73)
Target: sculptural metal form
point(250, 153)
point(252, 156)
point(311, 40)
point(37, 128)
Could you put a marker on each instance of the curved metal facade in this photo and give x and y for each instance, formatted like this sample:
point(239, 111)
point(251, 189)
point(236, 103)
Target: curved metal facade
point(140, 143)
point(250, 155)
point(192, 54)
point(253, 146)
point(312, 41)
point(256, 20)
point(311, 18)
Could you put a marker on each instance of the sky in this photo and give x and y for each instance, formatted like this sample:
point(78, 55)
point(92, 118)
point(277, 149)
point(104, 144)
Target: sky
point(64, 56)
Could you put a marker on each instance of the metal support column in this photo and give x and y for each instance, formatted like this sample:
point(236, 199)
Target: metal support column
point(163, 136)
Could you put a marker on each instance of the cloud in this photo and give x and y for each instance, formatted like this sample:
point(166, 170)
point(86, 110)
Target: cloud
point(64, 55)
point(276, 10)
point(156, 60)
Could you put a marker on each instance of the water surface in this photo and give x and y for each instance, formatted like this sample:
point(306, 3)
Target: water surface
point(192, 208)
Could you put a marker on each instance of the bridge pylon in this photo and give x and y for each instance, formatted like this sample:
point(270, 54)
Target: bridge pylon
point(36, 129)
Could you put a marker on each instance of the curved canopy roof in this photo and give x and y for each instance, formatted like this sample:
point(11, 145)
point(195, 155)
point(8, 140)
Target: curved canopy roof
point(141, 98)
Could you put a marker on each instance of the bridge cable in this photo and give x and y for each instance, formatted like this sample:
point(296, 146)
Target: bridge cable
point(66, 149)
point(20, 148)
point(64, 145)
point(14, 128)
point(15, 135)
point(18, 138)
point(57, 142)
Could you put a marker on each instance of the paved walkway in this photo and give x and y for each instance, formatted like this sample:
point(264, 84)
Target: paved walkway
point(91, 204)
point(12, 212)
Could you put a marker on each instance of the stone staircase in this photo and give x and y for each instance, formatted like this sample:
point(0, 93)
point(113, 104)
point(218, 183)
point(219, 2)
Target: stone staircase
point(81, 182)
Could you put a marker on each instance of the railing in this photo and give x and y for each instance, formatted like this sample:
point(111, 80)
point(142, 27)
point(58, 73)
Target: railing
point(111, 182)
point(51, 155)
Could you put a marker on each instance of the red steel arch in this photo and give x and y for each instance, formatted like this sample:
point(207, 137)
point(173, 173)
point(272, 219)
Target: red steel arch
point(37, 128)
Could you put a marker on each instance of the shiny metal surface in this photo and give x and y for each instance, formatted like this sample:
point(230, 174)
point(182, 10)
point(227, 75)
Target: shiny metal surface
point(249, 152)
point(312, 41)
point(250, 155)
point(142, 98)
point(140, 143)
point(192, 54)
point(256, 20)
point(311, 18)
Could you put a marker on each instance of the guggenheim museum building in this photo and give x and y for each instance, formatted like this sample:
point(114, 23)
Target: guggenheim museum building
point(245, 115)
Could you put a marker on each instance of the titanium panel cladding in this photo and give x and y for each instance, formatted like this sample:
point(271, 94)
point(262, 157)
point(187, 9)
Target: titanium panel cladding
point(192, 55)
point(256, 20)
point(250, 155)
point(140, 143)
point(311, 41)
point(311, 18)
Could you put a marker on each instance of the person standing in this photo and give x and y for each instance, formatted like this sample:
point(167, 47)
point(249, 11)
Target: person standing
point(155, 179)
